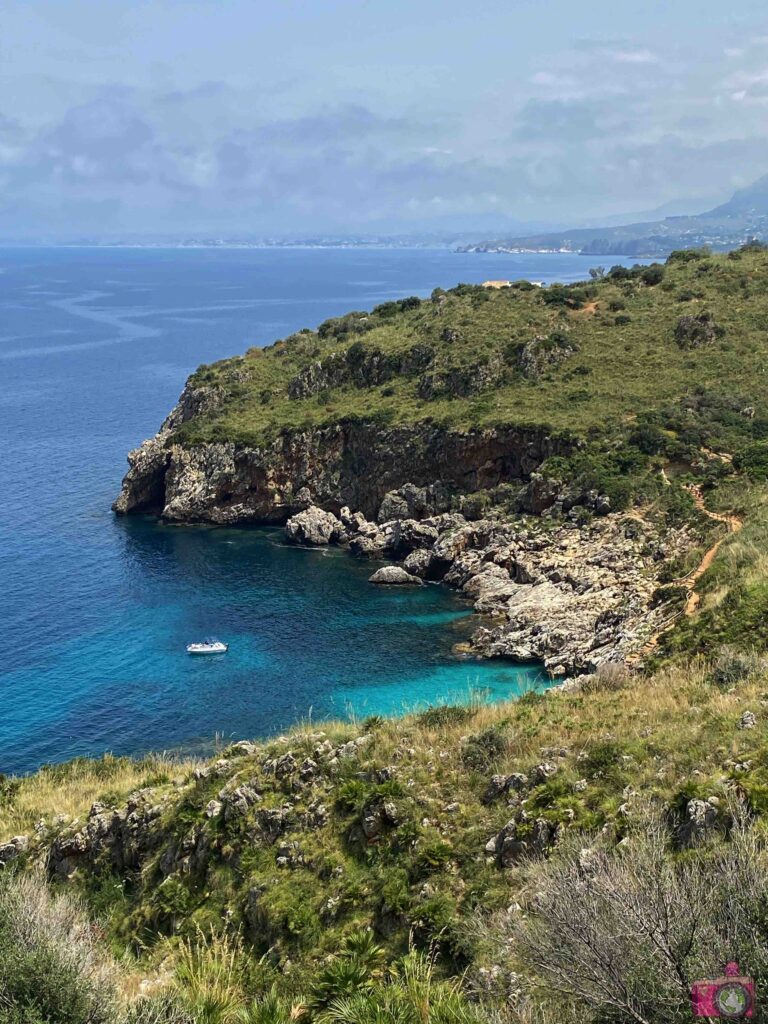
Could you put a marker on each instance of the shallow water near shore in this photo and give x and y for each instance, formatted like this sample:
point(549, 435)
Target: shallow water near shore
point(95, 345)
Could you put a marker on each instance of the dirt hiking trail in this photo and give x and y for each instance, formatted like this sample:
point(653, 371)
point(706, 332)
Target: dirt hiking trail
point(688, 583)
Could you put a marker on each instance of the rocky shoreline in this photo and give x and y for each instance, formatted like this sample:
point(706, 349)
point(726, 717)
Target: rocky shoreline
point(563, 579)
point(572, 595)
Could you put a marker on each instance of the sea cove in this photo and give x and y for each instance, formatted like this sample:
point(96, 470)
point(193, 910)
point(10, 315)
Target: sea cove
point(96, 346)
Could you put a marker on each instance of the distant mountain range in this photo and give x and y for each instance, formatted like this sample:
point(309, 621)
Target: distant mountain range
point(727, 226)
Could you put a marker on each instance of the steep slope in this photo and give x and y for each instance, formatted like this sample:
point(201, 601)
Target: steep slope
point(472, 389)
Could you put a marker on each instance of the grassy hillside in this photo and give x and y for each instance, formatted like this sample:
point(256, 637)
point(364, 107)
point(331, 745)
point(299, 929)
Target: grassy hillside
point(604, 353)
point(301, 847)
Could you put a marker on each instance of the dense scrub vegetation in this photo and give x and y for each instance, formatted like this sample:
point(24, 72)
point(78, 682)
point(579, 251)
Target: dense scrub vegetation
point(649, 340)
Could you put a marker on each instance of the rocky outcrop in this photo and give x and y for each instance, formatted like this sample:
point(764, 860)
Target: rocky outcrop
point(571, 596)
point(314, 527)
point(697, 331)
point(463, 381)
point(543, 353)
point(520, 839)
point(394, 576)
point(358, 366)
point(351, 463)
point(13, 849)
point(699, 820)
point(120, 839)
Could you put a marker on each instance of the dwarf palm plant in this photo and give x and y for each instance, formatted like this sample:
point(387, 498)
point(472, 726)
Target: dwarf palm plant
point(356, 969)
point(409, 994)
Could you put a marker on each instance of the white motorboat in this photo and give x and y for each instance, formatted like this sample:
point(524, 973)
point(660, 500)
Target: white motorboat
point(208, 647)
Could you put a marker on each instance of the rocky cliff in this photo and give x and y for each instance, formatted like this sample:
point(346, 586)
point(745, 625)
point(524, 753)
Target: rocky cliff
point(353, 463)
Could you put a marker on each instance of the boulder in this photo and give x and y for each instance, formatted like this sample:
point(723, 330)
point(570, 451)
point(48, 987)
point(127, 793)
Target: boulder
point(539, 774)
point(419, 563)
point(353, 522)
point(519, 839)
point(700, 818)
point(502, 785)
point(12, 849)
point(369, 541)
point(314, 527)
point(376, 817)
point(412, 502)
point(406, 535)
point(213, 808)
point(394, 506)
point(242, 748)
point(394, 575)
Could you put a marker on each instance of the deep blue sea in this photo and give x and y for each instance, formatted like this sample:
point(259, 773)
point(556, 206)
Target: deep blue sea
point(95, 346)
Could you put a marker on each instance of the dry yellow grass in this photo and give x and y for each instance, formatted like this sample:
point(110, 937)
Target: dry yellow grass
point(70, 789)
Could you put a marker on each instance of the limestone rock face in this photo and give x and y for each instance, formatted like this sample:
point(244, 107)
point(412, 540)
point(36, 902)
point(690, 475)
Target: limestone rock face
point(394, 575)
point(350, 463)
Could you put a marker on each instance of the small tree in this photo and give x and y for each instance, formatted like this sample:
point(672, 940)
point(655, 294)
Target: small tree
point(619, 934)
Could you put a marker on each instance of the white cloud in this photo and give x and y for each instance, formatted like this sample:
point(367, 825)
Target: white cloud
point(632, 56)
point(607, 126)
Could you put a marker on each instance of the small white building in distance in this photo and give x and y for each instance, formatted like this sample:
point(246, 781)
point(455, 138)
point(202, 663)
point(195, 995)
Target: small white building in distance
point(508, 284)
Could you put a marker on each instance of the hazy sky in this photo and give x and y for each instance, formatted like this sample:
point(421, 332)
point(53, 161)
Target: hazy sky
point(245, 117)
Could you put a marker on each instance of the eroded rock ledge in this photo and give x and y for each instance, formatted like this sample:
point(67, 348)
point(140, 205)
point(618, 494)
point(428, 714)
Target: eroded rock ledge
point(350, 463)
point(568, 592)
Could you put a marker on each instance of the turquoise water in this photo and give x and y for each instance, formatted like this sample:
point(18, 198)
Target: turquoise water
point(95, 346)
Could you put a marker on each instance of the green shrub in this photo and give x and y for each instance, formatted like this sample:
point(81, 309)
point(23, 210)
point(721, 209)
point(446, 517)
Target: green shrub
point(484, 749)
point(564, 295)
point(689, 255)
point(445, 715)
point(753, 460)
point(734, 666)
point(52, 970)
point(604, 759)
point(433, 854)
point(652, 275)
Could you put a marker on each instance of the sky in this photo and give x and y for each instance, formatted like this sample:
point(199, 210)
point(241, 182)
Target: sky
point(246, 118)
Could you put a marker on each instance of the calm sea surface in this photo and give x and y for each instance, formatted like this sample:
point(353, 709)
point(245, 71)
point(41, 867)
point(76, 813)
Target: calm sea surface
point(95, 345)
